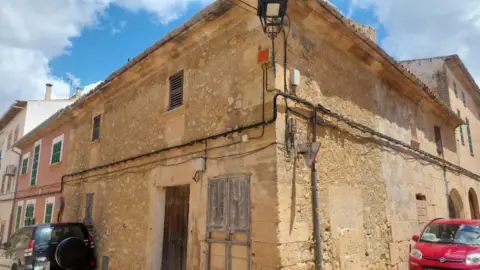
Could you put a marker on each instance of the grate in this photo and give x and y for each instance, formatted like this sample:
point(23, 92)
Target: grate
point(88, 209)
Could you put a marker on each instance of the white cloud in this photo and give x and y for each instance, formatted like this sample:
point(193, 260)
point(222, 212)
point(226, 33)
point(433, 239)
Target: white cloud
point(117, 29)
point(90, 87)
point(34, 32)
point(429, 28)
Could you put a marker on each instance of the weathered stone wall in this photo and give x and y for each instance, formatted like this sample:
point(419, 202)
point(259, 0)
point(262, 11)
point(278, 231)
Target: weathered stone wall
point(222, 91)
point(432, 72)
point(368, 189)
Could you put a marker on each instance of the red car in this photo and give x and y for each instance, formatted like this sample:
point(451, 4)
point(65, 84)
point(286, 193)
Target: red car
point(447, 244)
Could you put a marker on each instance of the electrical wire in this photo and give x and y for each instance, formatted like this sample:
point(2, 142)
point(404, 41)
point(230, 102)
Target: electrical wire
point(157, 162)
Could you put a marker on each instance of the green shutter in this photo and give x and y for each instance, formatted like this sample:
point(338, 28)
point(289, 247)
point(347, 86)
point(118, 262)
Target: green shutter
point(24, 166)
point(36, 157)
point(455, 88)
point(461, 129)
point(29, 215)
point(48, 213)
point(469, 133)
point(56, 152)
point(19, 217)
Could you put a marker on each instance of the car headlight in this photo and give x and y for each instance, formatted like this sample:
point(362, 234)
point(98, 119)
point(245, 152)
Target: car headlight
point(473, 259)
point(416, 253)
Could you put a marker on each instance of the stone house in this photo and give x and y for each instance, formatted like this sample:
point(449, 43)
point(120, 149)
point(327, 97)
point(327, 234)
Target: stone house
point(453, 83)
point(190, 156)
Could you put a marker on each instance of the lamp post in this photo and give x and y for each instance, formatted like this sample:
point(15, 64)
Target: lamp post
point(272, 14)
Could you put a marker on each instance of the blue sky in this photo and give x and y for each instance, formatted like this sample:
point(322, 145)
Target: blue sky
point(83, 41)
point(121, 34)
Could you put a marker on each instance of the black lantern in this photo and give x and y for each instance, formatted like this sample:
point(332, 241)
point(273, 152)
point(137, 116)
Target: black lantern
point(272, 14)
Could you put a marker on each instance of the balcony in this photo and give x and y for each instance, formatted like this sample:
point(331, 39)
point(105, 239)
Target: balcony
point(11, 170)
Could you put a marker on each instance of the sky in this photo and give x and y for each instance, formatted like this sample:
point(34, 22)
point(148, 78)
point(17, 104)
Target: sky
point(78, 43)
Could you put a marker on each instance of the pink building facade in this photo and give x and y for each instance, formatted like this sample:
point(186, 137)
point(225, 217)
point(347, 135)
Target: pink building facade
point(42, 165)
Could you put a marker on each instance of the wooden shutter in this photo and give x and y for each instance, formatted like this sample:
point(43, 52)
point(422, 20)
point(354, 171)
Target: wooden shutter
point(48, 213)
point(96, 127)
point(19, 217)
point(469, 133)
point(217, 192)
point(176, 90)
point(239, 210)
point(438, 139)
point(88, 209)
point(461, 129)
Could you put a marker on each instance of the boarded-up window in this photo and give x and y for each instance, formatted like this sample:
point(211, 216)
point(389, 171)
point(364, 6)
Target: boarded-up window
point(88, 209)
point(438, 139)
point(96, 127)
point(228, 222)
point(176, 90)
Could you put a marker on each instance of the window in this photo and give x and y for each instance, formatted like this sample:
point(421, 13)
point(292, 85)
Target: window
point(96, 127)
point(88, 209)
point(36, 157)
point(438, 139)
point(455, 89)
point(176, 91)
point(25, 164)
point(29, 214)
point(9, 141)
point(464, 100)
point(49, 210)
point(461, 129)
point(15, 137)
point(469, 134)
point(229, 211)
point(4, 179)
point(19, 216)
point(57, 145)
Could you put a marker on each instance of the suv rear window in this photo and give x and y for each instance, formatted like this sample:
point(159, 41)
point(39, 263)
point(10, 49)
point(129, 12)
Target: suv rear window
point(57, 233)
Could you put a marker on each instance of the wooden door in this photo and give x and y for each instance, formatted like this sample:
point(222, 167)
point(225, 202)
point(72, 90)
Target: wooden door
point(175, 233)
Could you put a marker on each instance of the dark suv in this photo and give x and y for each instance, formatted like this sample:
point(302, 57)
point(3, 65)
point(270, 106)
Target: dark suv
point(38, 247)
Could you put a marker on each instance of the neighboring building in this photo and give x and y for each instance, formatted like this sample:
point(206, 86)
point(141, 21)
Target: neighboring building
point(43, 163)
point(20, 118)
point(453, 83)
point(179, 162)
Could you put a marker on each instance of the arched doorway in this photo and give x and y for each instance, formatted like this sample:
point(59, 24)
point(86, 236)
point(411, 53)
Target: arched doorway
point(473, 202)
point(455, 205)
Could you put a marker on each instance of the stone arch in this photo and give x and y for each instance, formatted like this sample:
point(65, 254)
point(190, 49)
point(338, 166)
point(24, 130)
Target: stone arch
point(455, 204)
point(473, 202)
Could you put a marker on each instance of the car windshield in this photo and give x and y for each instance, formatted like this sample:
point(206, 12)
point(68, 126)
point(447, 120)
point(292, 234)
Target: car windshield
point(55, 234)
point(459, 234)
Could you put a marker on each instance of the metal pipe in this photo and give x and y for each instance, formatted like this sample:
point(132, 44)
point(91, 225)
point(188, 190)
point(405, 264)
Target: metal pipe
point(315, 206)
point(14, 193)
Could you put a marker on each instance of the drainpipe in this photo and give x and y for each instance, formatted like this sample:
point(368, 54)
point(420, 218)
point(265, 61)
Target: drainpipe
point(315, 207)
point(14, 194)
point(445, 179)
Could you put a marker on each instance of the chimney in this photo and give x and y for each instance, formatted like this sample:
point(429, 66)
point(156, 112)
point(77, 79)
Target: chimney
point(48, 91)
point(78, 93)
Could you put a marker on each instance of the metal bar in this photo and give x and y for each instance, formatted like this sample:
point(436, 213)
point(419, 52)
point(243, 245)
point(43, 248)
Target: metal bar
point(315, 206)
point(227, 229)
point(249, 246)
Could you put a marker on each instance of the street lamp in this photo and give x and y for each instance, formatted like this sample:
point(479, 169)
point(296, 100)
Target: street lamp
point(272, 14)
